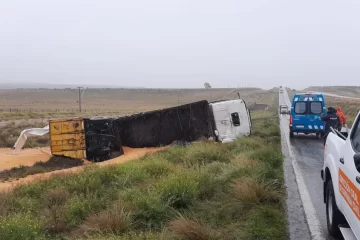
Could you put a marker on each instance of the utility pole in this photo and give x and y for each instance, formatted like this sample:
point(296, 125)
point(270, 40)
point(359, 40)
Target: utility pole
point(80, 98)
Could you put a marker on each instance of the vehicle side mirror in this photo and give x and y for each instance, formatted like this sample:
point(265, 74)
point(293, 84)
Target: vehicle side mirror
point(357, 161)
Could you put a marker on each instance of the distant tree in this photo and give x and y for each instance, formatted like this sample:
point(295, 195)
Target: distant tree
point(207, 85)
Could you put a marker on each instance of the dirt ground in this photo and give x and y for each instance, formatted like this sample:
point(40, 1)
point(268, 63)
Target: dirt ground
point(28, 157)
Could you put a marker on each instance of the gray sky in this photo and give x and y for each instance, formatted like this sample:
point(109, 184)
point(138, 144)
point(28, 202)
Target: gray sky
point(181, 43)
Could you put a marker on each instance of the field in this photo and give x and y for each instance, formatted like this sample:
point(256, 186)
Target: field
point(203, 191)
point(351, 91)
point(46, 103)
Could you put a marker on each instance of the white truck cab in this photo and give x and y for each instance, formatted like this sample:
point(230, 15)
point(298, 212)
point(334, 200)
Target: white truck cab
point(231, 119)
point(341, 178)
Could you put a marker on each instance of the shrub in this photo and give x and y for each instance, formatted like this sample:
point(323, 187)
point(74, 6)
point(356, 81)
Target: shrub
point(78, 208)
point(208, 186)
point(268, 173)
point(53, 220)
point(266, 222)
point(246, 144)
point(148, 209)
point(20, 226)
point(188, 229)
point(207, 152)
point(133, 235)
point(157, 166)
point(26, 204)
point(179, 190)
point(244, 161)
point(216, 168)
point(6, 201)
point(269, 156)
point(115, 220)
point(200, 153)
point(55, 197)
point(251, 192)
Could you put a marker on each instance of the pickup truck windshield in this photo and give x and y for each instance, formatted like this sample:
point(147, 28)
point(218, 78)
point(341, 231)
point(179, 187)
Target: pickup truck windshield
point(356, 137)
point(315, 107)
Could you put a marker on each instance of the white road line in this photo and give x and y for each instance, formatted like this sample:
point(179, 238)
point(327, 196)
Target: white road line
point(312, 220)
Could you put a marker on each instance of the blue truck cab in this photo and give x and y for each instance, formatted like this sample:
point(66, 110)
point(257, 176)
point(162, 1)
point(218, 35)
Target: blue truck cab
point(305, 114)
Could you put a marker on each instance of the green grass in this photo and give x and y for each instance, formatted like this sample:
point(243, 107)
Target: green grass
point(204, 191)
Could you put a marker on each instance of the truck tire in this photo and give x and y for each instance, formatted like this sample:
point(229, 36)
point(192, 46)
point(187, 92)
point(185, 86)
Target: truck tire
point(319, 135)
point(291, 134)
point(333, 215)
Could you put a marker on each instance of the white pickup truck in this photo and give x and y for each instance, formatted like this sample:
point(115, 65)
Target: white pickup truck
point(341, 178)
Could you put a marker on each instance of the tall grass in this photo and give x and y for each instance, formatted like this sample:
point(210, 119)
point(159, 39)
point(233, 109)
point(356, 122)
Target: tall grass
point(204, 191)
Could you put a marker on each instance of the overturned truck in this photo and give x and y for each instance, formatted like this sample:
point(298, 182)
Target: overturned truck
point(102, 139)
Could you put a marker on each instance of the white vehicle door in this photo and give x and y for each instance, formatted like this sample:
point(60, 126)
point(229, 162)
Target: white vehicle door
point(349, 179)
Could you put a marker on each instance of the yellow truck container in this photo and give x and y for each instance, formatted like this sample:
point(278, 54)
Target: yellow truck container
point(67, 138)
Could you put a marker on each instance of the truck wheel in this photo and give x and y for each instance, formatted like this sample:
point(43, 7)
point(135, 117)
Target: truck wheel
point(291, 134)
point(319, 135)
point(333, 215)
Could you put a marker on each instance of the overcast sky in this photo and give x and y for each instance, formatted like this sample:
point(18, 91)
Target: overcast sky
point(181, 43)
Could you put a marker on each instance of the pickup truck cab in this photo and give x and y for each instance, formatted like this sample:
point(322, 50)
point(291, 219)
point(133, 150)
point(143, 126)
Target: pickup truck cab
point(341, 182)
point(305, 114)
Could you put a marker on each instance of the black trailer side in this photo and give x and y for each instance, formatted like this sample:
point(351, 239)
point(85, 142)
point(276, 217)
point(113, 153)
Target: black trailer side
point(188, 122)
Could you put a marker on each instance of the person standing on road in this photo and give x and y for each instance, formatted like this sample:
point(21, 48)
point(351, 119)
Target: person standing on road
point(331, 119)
point(342, 118)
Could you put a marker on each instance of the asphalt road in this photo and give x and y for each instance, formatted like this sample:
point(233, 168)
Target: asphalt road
point(307, 153)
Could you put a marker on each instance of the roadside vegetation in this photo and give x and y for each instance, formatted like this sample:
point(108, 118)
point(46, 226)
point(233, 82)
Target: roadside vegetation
point(203, 191)
point(10, 131)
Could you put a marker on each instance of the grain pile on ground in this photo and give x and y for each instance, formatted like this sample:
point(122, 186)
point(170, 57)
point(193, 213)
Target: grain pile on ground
point(27, 157)
point(41, 165)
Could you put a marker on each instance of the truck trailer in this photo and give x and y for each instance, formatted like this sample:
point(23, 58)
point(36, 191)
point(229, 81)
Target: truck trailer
point(99, 139)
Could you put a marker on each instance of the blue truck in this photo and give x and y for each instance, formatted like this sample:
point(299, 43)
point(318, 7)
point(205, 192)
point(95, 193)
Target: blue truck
point(305, 114)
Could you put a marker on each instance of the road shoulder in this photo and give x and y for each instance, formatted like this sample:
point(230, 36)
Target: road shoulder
point(297, 224)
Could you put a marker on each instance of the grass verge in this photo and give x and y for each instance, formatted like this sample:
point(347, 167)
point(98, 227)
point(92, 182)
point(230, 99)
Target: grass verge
point(204, 191)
